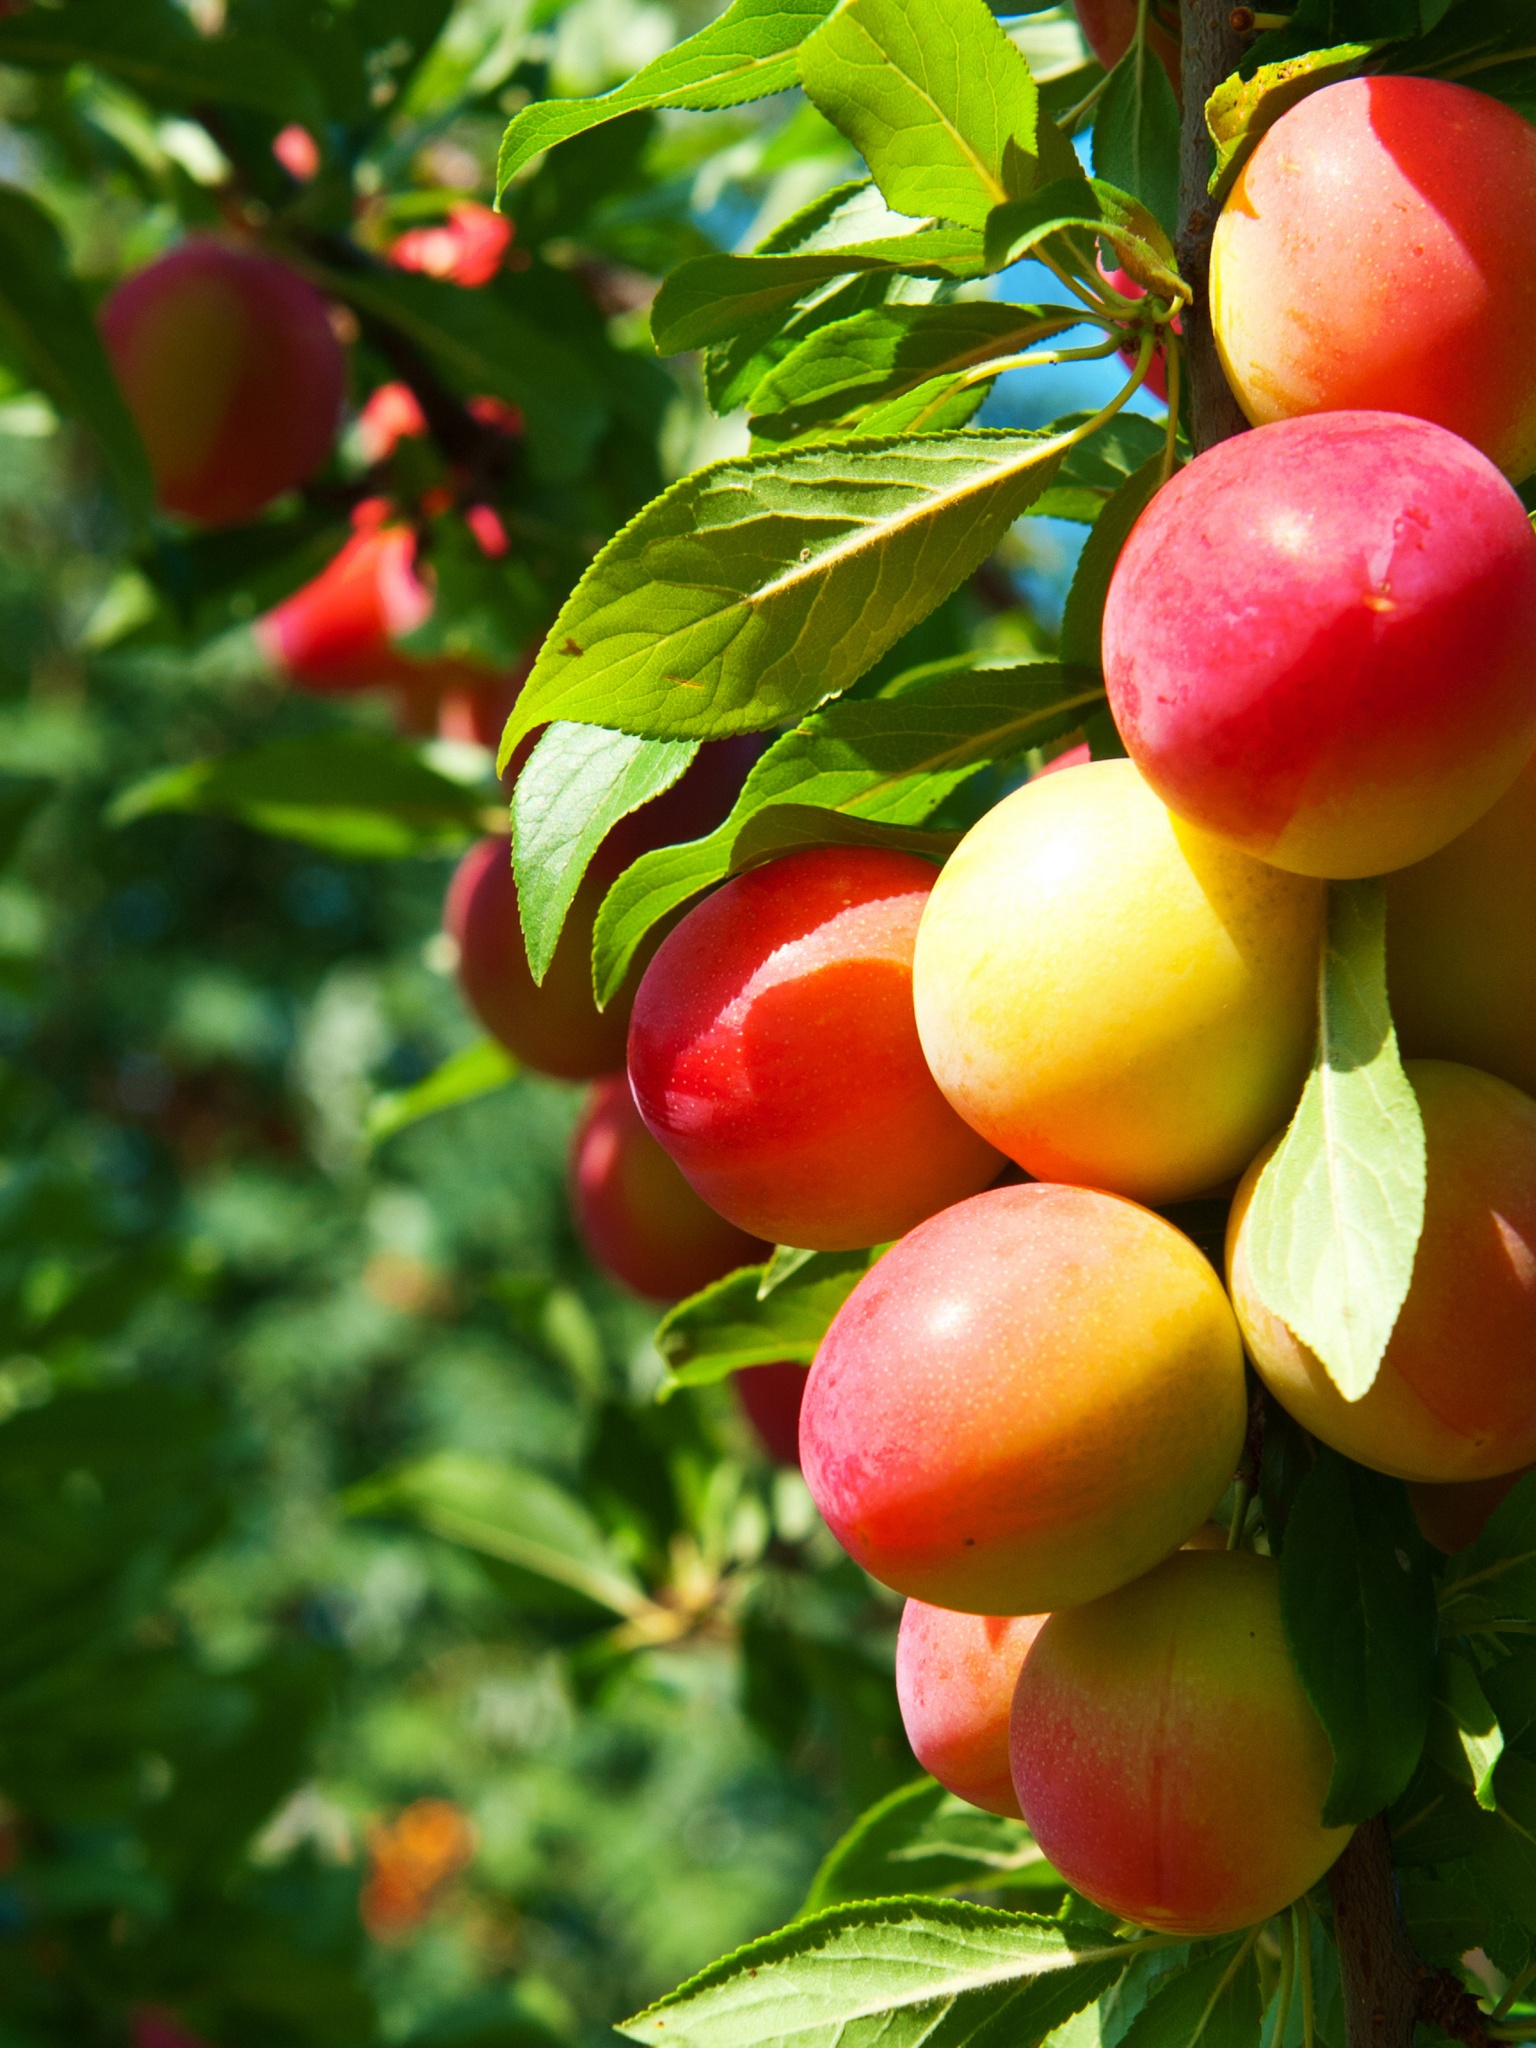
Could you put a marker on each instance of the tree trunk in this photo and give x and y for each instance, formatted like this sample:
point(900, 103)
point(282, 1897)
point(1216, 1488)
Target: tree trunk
point(1383, 1977)
point(1212, 48)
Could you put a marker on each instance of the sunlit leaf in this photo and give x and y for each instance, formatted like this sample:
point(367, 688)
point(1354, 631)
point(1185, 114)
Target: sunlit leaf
point(921, 1838)
point(745, 55)
point(712, 298)
point(891, 1971)
point(823, 386)
point(733, 1323)
point(936, 100)
point(1336, 1217)
point(574, 787)
point(755, 589)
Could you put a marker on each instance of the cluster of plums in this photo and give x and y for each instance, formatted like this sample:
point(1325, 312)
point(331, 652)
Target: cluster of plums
point(1320, 650)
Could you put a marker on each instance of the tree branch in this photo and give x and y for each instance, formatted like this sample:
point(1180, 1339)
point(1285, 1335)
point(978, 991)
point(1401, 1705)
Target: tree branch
point(1211, 50)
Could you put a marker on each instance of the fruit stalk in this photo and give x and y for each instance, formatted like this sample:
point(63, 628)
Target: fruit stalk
point(1211, 51)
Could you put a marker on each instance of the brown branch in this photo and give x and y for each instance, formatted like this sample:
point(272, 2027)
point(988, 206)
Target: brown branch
point(1383, 1977)
point(1211, 50)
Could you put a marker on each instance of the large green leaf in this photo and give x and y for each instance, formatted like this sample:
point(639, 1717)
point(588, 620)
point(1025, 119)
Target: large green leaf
point(921, 1838)
point(888, 761)
point(48, 332)
point(1359, 1612)
point(820, 389)
point(1095, 470)
point(752, 1317)
point(1136, 135)
point(892, 1973)
point(711, 298)
point(353, 793)
point(574, 787)
point(1336, 1217)
point(508, 1512)
point(755, 589)
point(151, 46)
point(745, 55)
point(936, 100)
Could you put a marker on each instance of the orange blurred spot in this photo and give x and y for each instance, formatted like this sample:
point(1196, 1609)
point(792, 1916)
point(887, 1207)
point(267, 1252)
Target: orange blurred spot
point(411, 1859)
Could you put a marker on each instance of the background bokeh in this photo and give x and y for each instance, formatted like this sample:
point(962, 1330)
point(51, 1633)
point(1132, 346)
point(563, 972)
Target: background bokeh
point(291, 1750)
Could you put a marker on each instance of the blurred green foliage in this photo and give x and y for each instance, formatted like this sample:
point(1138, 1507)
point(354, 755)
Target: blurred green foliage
point(234, 1647)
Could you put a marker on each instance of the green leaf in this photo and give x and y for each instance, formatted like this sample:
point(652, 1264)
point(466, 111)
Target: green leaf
point(47, 329)
point(1511, 1689)
point(573, 789)
point(711, 298)
point(936, 100)
point(151, 46)
point(921, 1838)
point(1082, 618)
point(1215, 2002)
point(352, 793)
point(1136, 135)
point(786, 1261)
point(1489, 46)
point(1071, 208)
point(1241, 109)
point(476, 1070)
point(1468, 1727)
point(1359, 1612)
point(745, 55)
point(823, 386)
point(895, 1972)
point(1096, 468)
point(508, 1512)
point(1316, 24)
point(733, 1323)
point(1492, 1583)
point(1335, 1221)
point(886, 762)
point(753, 590)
